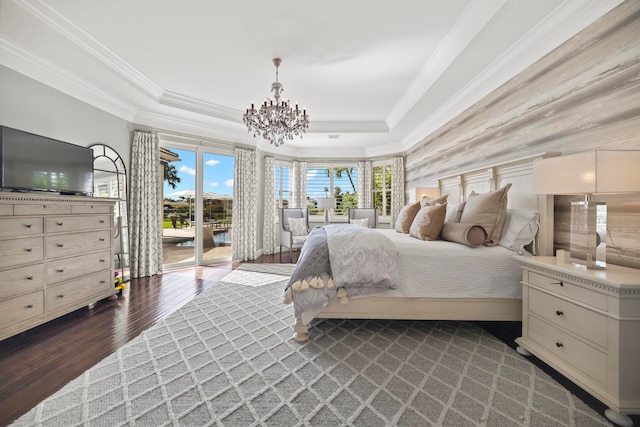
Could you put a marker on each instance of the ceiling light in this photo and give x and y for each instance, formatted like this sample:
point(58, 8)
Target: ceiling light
point(276, 120)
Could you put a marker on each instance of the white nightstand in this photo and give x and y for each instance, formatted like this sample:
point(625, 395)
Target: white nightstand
point(586, 325)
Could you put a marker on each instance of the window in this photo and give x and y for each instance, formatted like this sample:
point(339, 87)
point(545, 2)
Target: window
point(283, 192)
point(382, 187)
point(339, 182)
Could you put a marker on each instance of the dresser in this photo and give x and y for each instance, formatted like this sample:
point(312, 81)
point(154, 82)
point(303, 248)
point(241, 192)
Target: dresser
point(56, 255)
point(586, 325)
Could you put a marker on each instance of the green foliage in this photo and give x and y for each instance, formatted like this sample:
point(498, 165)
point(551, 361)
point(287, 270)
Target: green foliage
point(171, 176)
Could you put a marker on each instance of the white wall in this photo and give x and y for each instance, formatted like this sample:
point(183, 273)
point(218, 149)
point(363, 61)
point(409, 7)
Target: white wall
point(31, 106)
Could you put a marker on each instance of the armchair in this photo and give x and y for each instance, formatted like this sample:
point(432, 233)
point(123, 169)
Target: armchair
point(360, 213)
point(287, 237)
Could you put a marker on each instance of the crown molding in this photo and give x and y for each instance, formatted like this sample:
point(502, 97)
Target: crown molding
point(51, 18)
point(474, 18)
point(195, 105)
point(348, 127)
point(564, 22)
point(48, 73)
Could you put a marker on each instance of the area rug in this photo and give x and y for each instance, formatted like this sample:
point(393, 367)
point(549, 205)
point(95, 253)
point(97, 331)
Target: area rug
point(228, 358)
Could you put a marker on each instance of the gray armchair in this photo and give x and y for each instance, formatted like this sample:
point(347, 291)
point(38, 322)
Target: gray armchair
point(361, 213)
point(287, 239)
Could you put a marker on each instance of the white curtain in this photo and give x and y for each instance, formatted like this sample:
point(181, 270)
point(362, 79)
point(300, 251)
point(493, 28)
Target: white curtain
point(245, 200)
point(145, 225)
point(365, 185)
point(269, 220)
point(298, 184)
point(397, 187)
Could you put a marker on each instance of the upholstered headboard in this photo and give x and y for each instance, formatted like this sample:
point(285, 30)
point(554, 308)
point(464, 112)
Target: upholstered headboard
point(519, 173)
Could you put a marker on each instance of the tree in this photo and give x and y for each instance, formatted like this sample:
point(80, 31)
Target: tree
point(171, 176)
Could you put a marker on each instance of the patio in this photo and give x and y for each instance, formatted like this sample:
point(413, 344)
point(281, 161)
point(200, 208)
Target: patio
point(173, 252)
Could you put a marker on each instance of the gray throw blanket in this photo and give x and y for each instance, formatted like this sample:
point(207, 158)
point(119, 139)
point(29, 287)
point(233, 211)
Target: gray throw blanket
point(340, 261)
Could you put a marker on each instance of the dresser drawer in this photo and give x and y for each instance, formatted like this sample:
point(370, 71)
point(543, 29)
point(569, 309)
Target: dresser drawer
point(21, 308)
point(21, 251)
point(62, 245)
point(91, 209)
point(21, 227)
point(21, 280)
point(71, 268)
point(6, 210)
point(77, 223)
point(76, 291)
point(577, 354)
point(567, 316)
point(568, 290)
point(42, 209)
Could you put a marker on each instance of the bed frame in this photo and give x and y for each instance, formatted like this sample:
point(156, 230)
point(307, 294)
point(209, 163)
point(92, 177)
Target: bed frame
point(521, 196)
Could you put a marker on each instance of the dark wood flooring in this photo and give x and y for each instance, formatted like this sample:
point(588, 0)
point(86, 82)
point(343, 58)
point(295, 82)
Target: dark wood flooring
point(40, 361)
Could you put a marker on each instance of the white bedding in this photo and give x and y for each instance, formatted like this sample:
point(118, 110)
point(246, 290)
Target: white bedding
point(440, 269)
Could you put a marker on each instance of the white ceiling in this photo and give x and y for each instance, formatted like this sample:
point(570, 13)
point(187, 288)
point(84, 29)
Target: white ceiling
point(376, 76)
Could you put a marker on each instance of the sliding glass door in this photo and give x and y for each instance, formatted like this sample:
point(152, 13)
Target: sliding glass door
point(197, 206)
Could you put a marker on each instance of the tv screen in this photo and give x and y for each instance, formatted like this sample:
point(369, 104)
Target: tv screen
point(36, 163)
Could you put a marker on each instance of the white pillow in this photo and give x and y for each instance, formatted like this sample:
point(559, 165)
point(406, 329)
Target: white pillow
point(520, 228)
point(298, 226)
point(363, 222)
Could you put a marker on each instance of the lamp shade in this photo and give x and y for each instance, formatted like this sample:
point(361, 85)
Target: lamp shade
point(416, 194)
point(588, 173)
point(326, 203)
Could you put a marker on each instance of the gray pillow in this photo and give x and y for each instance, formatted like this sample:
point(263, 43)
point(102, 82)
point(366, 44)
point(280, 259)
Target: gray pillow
point(467, 234)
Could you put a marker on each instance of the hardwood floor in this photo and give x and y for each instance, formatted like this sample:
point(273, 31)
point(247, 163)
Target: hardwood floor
point(40, 361)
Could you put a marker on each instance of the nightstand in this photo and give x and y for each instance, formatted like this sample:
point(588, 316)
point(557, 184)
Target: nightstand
point(586, 325)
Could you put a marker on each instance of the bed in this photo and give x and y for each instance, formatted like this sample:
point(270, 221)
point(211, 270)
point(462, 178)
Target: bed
point(439, 280)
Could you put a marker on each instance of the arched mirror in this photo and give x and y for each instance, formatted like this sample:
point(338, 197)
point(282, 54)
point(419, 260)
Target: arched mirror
point(110, 180)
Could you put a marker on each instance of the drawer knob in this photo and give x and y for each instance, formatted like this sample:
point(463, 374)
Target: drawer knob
point(102, 221)
point(102, 239)
point(558, 283)
point(102, 282)
point(29, 277)
point(28, 225)
point(102, 260)
point(60, 270)
point(60, 245)
point(559, 345)
point(559, 313)
point(29, 249)
point(30, 306)
point(61, 296)
point(60, 223)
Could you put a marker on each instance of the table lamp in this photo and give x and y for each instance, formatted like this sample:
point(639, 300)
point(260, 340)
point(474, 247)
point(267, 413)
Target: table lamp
point(326, 203)
point(595, 172)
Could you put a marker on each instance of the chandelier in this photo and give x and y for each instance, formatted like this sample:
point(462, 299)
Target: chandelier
point(276, 120)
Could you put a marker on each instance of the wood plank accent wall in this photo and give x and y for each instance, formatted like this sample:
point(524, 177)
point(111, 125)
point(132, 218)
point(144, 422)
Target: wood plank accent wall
point(582, 96)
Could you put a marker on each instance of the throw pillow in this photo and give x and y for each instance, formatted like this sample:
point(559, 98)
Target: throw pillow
point(298, 226)
point(406, 216)
point(431, 201)
point(454, 212)
point(467, 234)
point(363, 222)
point(488, 210)
point(428, 222)
point(519, 229)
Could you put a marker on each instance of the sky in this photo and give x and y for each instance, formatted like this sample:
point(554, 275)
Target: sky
point(218, 173)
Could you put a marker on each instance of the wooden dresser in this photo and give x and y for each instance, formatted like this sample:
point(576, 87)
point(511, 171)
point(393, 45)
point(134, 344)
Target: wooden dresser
point(56, 255)
point(586, 325)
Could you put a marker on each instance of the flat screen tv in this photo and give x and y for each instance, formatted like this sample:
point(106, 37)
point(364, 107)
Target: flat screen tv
point(31, 162)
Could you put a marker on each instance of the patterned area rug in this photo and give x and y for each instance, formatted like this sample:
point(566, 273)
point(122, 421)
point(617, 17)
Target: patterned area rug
point(227, 358)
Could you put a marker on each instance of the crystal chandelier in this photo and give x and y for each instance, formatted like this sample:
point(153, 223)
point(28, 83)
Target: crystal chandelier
point(276, 120)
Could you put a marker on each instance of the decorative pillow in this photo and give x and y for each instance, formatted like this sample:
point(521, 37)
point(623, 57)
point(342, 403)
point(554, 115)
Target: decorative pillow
point(364, 222)
point(488, 210)
point(519, 229)
point(432, 202)
point(428, 222)
point(406, 216)
point(454, 212)
point(298, 226)
point(467, 234)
